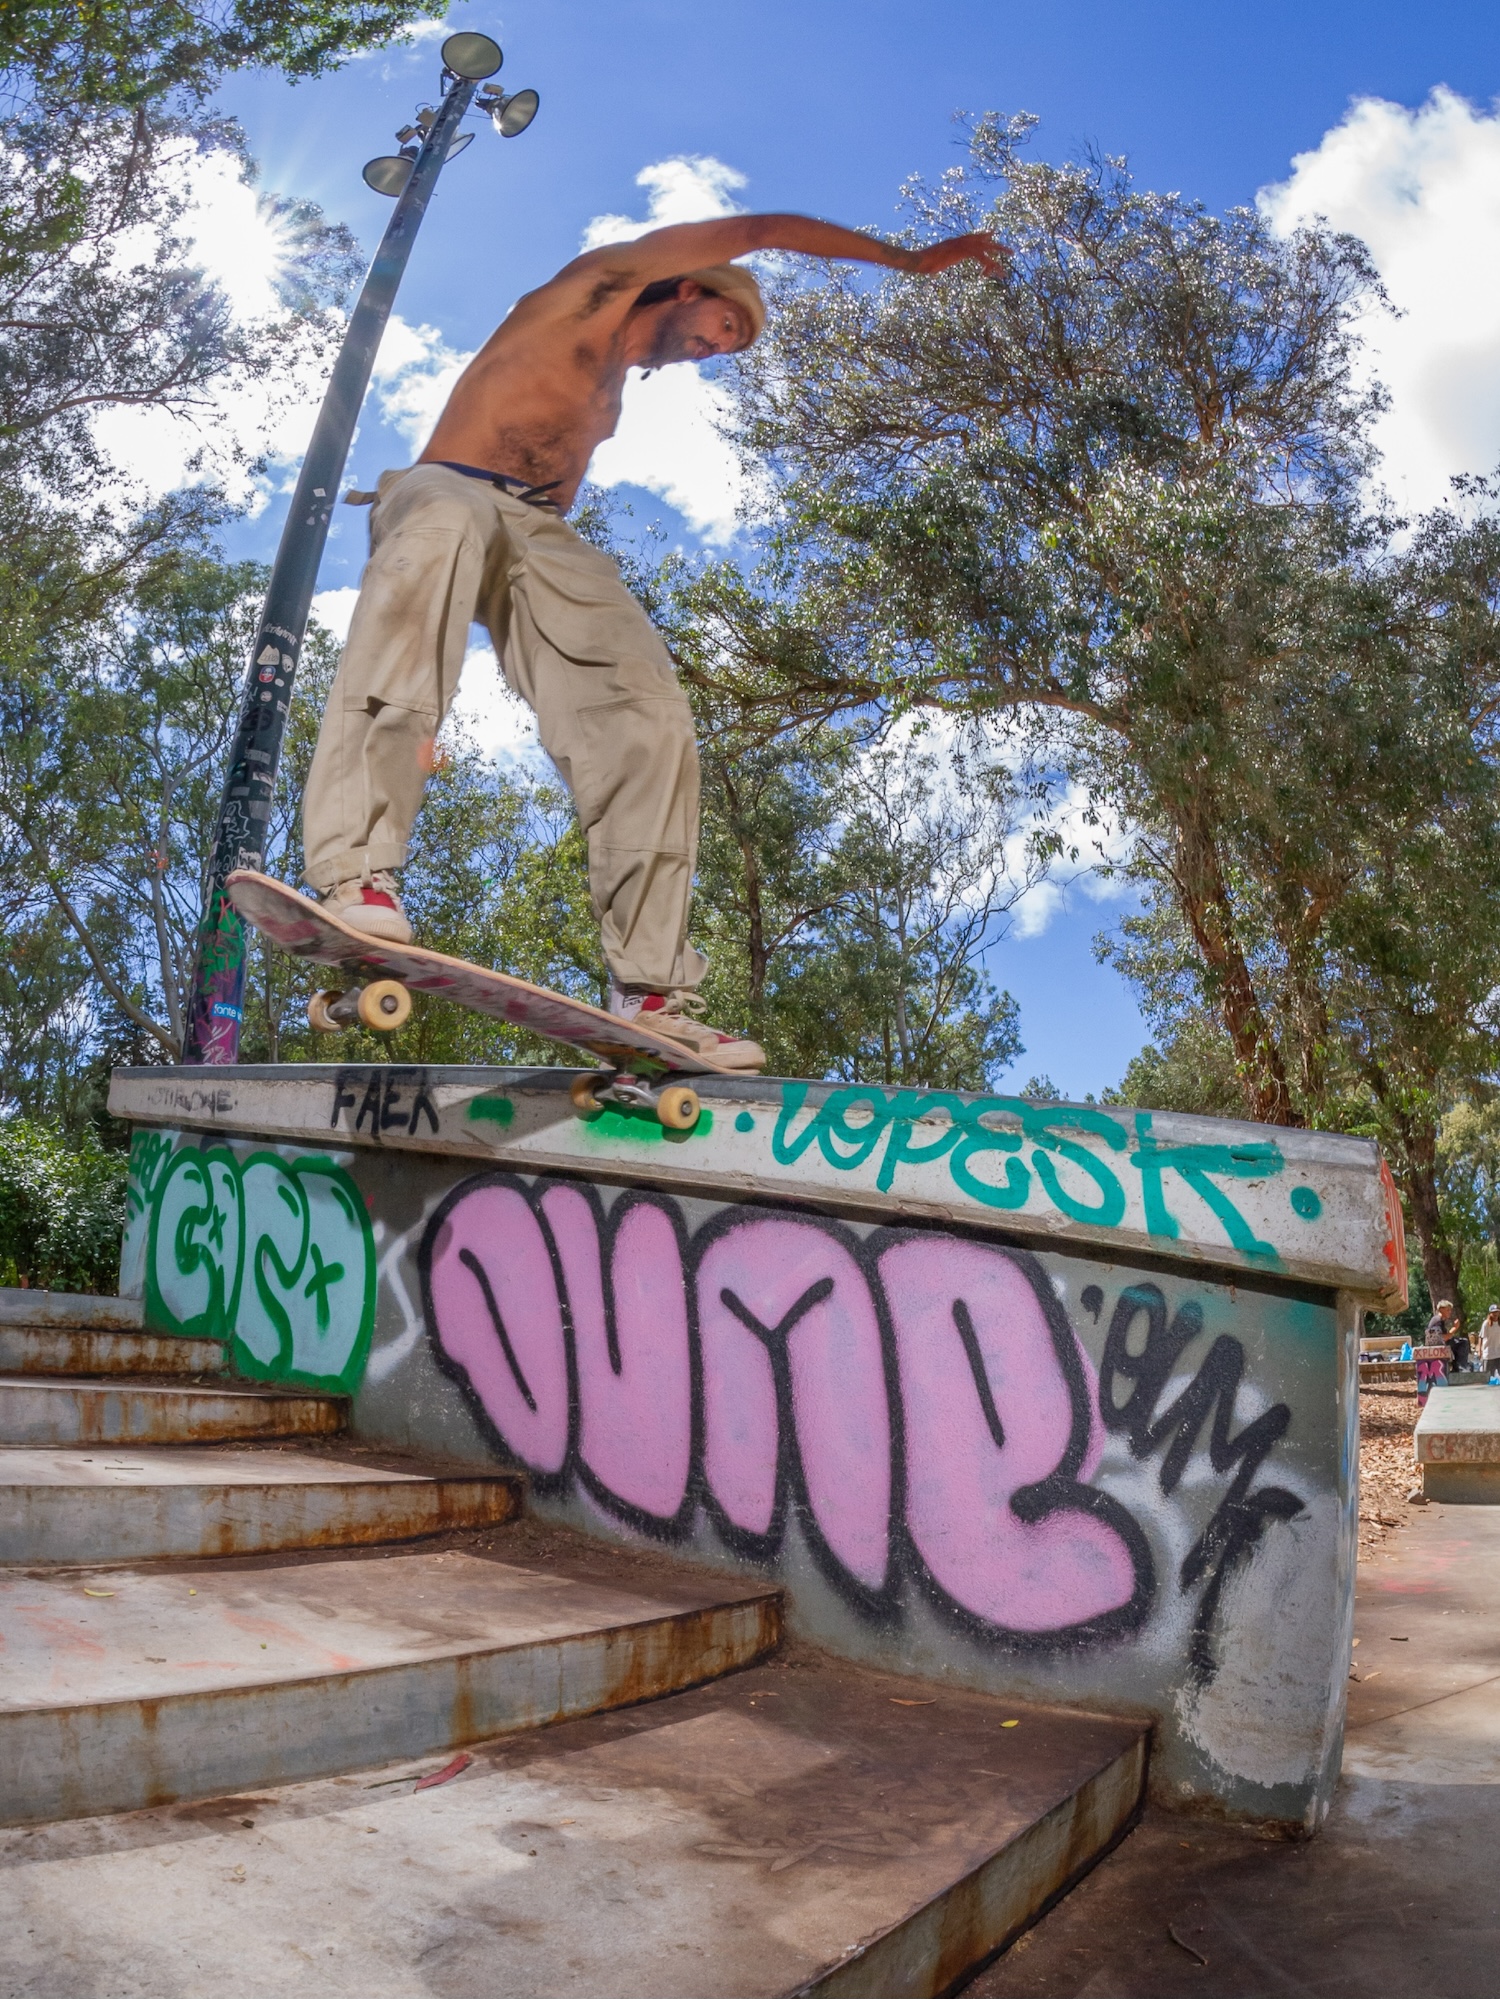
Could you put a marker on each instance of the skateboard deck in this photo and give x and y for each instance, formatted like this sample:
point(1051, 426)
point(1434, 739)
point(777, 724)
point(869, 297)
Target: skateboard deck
point(297, 924)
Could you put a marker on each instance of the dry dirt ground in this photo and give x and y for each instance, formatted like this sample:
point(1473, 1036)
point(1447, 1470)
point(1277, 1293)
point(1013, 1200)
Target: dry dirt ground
point(1389, 1482)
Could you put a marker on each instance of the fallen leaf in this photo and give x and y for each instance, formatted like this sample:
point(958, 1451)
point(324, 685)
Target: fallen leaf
point(449, 1771)
point(1371, 1676)
point(1010, 1724)
point(1399, 1641)
point(99, 1592)
point(1196, 1954)
point(896, 1701)
point(1356, 1641)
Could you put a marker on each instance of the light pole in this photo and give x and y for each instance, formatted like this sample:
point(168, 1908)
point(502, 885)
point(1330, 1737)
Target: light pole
point(216, 1002)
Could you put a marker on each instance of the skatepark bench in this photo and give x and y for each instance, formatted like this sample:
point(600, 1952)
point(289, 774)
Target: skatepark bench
point(1053, 1401)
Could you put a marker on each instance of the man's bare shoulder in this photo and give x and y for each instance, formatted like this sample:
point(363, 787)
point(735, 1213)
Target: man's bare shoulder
point(600, 284)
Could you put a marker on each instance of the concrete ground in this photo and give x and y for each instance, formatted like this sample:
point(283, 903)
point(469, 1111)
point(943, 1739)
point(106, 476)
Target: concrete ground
point(1399, 1894)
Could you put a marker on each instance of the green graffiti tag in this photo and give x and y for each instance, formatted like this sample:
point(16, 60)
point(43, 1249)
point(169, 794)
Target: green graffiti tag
point(985, 1140)
point(276, 1256)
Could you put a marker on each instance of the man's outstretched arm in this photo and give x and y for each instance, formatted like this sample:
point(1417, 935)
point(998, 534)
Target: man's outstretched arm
point(693, 246)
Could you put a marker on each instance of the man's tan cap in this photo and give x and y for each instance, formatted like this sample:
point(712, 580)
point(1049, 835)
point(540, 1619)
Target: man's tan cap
point(734, 282)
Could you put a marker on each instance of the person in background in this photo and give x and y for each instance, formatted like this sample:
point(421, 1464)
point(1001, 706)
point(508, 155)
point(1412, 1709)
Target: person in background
point(1489, 1340)
point(1442, 1324)
point(1432, 1371)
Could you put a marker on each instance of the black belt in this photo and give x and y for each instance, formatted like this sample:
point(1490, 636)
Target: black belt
point(531, 496)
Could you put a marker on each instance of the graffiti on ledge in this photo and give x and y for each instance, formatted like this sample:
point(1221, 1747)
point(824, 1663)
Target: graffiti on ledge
point(920, 1402)
point(275, 1256)
point(852, 1124)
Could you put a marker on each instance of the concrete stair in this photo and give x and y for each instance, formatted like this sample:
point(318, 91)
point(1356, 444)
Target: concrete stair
point(126, 1687)
point(163, 1502)
point(226, 1650)
point(42, 1410)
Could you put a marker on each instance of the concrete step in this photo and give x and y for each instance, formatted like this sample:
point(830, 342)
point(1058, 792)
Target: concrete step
point(128, 1687)
point(64, 1350)
point(803, 1828)
point(152, 1503)
point(68, 1308)
point(40, 1411)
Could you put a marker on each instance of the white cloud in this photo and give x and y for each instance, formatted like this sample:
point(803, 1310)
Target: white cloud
point(667, 440)
point(1099, 846)
point(692, 187)
point(414, 375)
point(334, 608)
point(486, 710)
point(238, 241)
point(1422, 188)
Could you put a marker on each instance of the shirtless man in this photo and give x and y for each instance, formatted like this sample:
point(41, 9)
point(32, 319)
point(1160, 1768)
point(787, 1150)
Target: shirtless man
point(475, 531)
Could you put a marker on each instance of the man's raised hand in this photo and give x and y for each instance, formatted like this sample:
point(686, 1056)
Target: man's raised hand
point(979, 247)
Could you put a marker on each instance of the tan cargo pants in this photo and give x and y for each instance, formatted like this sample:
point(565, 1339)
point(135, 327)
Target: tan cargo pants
point(446, 551)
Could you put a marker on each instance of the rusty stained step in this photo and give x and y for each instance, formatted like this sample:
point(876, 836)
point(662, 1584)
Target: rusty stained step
point(140, 1504)
point(127, 1687)
point(41, 1411)
point(805, 1827)
point(44, 1349)
point(20, 1307)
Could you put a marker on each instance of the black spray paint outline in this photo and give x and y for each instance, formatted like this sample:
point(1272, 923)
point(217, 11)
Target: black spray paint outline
point(881, 1604)
point(1241, 1517)
point(1061, 1491)
point(1229, 1538)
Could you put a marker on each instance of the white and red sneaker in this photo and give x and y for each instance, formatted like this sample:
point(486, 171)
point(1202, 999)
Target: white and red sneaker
point(673, 1013)
point(370, 903)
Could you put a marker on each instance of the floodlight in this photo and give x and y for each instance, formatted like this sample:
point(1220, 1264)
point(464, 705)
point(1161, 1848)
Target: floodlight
point(514, 114)
point(387, 175)
point(473, 57)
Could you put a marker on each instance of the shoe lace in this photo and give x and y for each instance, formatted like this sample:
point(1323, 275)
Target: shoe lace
point(685, 1002)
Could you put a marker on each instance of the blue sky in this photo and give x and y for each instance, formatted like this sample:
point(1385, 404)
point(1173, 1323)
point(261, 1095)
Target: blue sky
point(825, 109)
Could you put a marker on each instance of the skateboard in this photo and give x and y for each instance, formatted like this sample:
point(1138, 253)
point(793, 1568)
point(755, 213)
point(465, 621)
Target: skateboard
point(639, 1065)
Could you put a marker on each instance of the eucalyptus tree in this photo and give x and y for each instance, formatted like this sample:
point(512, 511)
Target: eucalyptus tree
point(1093, 493)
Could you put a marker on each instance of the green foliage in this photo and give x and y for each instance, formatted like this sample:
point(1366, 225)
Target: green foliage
point(134, 52)
point(62, 1208)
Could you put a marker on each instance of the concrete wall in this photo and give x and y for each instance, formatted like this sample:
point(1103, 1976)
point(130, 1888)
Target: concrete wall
point(1041, 1460)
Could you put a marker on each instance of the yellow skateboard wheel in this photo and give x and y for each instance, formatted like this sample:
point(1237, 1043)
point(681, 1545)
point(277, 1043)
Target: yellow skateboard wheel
point(581, 1090)
point(319, 1017)
point(677, 1107)
point(385, 1005)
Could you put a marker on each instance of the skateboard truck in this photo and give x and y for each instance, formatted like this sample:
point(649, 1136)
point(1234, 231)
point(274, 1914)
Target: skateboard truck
point(672, 1104)
point(383, 1004)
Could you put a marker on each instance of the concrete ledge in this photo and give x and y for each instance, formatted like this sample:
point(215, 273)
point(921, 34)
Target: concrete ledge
point(1460, 1426)
point(260, 1676)
point(1310, 1207)
point(37, 1411)
point(1387, 1373)
point(154, 1505)
point(44, 1349)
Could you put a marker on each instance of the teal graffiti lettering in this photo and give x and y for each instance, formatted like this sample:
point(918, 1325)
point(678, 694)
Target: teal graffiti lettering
point(1039, 1122)
point(979, 1139)
point(905, 1112)
point(834, 1129)
point(785, 1149)
point(1256, 1160)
